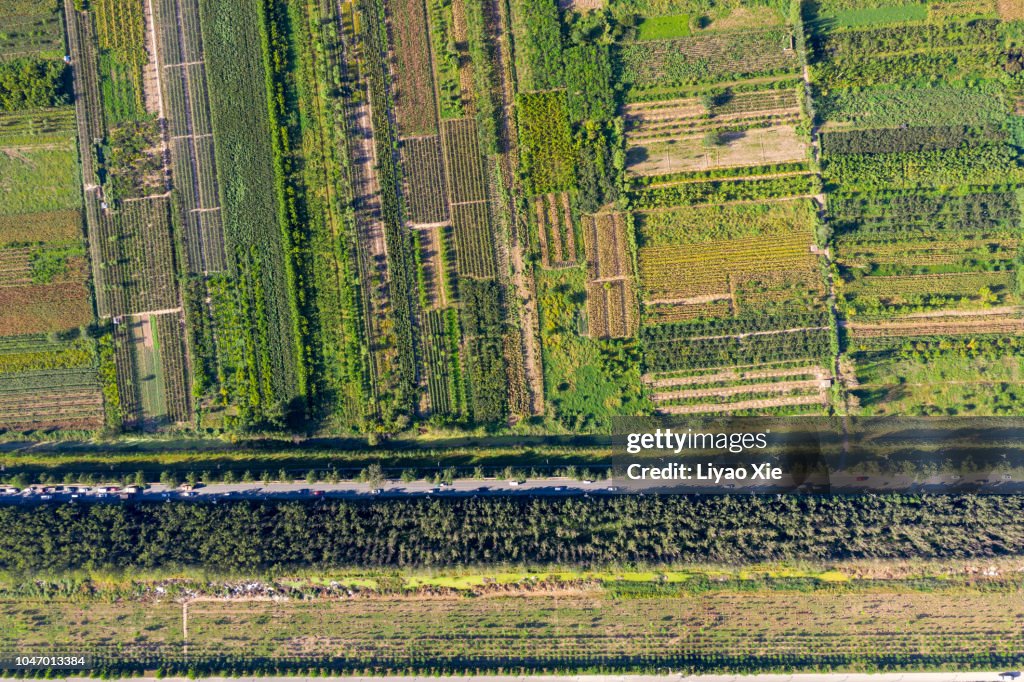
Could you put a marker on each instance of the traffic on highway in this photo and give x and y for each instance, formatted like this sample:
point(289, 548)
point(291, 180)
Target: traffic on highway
point(838, 482)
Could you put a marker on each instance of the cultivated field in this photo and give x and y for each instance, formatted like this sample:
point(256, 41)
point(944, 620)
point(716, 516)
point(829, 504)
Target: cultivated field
point(841, 629)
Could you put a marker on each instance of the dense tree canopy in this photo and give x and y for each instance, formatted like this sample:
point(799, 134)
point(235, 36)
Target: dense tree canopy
point(494, 530)
point(30, 83)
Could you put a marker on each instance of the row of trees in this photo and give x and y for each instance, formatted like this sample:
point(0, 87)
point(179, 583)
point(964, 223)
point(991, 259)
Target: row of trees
point(579, 531)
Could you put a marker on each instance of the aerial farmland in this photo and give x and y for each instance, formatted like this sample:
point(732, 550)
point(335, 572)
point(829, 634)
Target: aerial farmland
point(362, 218)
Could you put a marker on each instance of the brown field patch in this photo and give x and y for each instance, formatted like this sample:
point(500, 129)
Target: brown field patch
point(52, 226)
point(744, 18)
point(651, 121)
point(604, 237)
point(414, 81)
point(555, 230)
point(1011, 10)
point(819, 398)
point(612, 310)
point(948, 326)
point(38, 308)
point(755, 147)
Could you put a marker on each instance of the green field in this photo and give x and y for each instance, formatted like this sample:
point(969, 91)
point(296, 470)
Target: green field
point(664, 28)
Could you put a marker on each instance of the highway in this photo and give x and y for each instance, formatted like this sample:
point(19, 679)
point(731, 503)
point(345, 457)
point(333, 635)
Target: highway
point(839, 482)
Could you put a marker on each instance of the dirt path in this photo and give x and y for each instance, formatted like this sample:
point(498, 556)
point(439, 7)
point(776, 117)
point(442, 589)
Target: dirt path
point(744, 335)
point(151, 86)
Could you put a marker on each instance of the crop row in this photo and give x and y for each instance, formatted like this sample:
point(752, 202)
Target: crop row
point(120, 29)
point(697, 270)
point(612, 309)
point(739, 325)
point(944, 284)
point(474, 243)
point(443, 363)
point(977, 164)
point(187, 111)
point(27, 34)
point(36, 126)
point(170, 331)
point(446, 58)
point(918, 139)
point(707, 58)
point(15, 266)
point(720, 191)
point(901, 207)
point(664, 313)
point(555, 230)
point(426, 190)
point(70, 408)
point(483, 324)
point(671, 130)
point(898, 38)
point(605, 241)
point(952, 65)
point(400, 257)
point(464, 161)
point(126, 377)
point(546, 150)
point(892, 106)
point(136, 269)
point(730, 351)
point(414, 80)
point(41, 343)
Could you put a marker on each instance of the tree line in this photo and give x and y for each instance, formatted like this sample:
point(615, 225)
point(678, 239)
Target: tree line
point(536, 531)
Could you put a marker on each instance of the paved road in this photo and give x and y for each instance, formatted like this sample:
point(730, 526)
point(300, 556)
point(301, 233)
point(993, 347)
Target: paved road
point(839, 483)
point(982, 676)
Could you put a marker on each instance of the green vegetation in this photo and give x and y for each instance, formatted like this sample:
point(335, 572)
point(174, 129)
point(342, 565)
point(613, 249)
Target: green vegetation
point(245, 169)
point(867, 16)
point(31, 83)
point(664, 28)
point(544, 134)
point(604, 531)
point(586, 381)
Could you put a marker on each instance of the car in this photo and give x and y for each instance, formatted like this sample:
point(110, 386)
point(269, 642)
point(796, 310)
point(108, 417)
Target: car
point(514, 484)
point(318, 493)
point(46, 497)
point(586, 481)
point(1006, 477)
point(75, 496)
point(188, 493)
point(862, 478)
point(559, 488)
point(377, 491)
point(611, 489)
